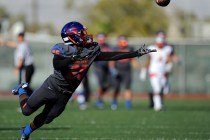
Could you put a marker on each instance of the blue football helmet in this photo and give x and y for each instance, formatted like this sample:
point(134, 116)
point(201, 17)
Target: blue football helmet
point(75, 33)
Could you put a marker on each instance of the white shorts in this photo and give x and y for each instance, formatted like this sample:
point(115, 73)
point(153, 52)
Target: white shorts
point(159, 83)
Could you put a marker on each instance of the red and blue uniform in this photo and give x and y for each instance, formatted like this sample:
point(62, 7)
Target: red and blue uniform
point(124, 68)
point(102, 69)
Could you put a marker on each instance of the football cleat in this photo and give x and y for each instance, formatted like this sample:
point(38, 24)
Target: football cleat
point(114, 105)
point(128, 104)
point(99, 104)
point(23, 136)
point(83, 106)
point(20, 89)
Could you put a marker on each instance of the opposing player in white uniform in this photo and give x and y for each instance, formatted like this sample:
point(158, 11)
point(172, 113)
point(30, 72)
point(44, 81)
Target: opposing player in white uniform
point(158, 66)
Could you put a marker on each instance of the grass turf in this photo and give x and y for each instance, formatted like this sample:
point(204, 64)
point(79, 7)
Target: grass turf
point(182, 120)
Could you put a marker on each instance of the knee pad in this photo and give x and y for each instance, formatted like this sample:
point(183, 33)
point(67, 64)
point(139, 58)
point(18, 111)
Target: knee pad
point(26, 111)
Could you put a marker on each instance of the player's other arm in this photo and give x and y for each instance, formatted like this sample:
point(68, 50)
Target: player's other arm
point(169, 63)
point(60, 62)
point(11, 44)
point(147, 62)
point(60, 59)
point(19, 59)
point(113, 56)
point(144, 69)
point(19, 65)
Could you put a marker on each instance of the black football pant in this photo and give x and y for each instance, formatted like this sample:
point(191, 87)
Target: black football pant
point(124, 77)
point(103, 77)
point(86, 88)
point(49, 96)
point(25, 75)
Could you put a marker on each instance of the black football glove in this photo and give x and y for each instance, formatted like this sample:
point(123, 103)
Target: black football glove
point(142, 51)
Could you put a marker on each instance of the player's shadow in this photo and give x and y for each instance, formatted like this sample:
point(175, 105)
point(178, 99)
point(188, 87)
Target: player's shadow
point(56, 128)
point(47, 128)
point(9, 129)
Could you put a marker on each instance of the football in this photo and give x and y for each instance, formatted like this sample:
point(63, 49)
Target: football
point(162, 3)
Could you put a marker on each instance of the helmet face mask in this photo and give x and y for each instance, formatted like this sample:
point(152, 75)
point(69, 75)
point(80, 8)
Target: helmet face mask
point(75, 33)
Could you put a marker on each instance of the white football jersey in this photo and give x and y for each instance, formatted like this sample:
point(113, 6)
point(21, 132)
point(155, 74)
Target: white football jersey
point(158, 59)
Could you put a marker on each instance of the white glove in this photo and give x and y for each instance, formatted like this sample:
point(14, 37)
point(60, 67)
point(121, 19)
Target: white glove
point(143, 74)
point(169, 67)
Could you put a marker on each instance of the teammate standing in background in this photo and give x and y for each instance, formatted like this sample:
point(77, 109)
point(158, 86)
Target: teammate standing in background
point(71, 62)
point(80, 97)
point(102, 71)
point(86, 87)
point(24, 63)
point(159, 66)
point(121, 70)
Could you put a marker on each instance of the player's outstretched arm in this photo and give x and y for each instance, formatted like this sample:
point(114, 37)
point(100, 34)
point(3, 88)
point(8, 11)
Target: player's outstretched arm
point(113, 56)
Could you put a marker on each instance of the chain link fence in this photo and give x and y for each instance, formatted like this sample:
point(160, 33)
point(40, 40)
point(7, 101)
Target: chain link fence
point(191, 75)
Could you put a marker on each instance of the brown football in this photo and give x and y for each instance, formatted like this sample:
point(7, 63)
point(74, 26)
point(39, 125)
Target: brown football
point(162, 3)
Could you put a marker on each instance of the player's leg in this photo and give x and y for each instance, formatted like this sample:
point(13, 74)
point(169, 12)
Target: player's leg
point(39, 97)
point(117, 84)
point(101, 76)
point(151, 102)
point(165, 88)
point(86, 88)
point(29, 71)
point(156, 86)
point(80, 96)
point(128, 91)
point(58, 107)
point(38, 121)
point(166, 85)
point(21, 79)
point(21, 91)
point(30, 104)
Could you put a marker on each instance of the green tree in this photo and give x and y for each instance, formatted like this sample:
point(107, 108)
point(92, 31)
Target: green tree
point(130, 17)
point(3, 13)
point(185, 21)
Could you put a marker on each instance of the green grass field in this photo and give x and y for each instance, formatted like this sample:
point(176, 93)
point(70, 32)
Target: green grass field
point(182, 120)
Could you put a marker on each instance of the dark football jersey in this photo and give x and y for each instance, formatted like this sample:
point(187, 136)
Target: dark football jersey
point(68, 78)
point(71, 64)
point(124, 64)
